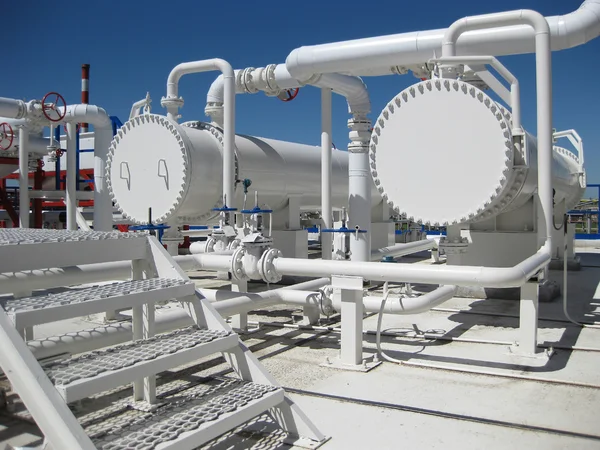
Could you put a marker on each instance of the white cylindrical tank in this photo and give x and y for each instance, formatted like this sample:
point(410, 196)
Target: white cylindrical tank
point(442, 153)
point(176, 169)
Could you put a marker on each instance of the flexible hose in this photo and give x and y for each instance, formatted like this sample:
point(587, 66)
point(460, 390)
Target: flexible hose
point(381, 353)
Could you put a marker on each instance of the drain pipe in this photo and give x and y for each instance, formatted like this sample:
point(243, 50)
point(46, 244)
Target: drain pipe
point(117, 333)
point(173, 102)
point(406, 305)
point(103, 135)
point(409, 248)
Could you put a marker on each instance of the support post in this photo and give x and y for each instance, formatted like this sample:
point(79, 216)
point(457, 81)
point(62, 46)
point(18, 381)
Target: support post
point(326, 146)
point(72, 174)
point(23, 178)
point(528, 319)
point(348, 291)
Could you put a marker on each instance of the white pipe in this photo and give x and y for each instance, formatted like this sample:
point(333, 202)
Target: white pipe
point(11, 108)
point(543, 57)
point(399, 52)
point(71, 197)
point(359, 201)
point(103, 135)
point(499, 277)
point(352, 88)
point(407, 305)
point(326, 146)
point(135, 108)
point(23, 178)
point(113, 334)
point(35, 144)
point(197, 248)
point(172, 102)
point(402, 249)
point(515, 91)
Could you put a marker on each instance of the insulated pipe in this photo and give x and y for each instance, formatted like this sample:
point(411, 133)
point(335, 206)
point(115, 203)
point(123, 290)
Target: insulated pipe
point(103, 136)
point(543, 57)
point(407, 305)
point(35, 144)
point(402, 249)
point(326, 146)
point(71, 191)
point(113, 334)
point(172, 102)
point(11, 108)
point(498, 277)
point(397, 53)
point(23, 178)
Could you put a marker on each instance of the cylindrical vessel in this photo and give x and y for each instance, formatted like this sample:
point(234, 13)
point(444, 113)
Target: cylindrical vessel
point(177, 171)
point(443, 152)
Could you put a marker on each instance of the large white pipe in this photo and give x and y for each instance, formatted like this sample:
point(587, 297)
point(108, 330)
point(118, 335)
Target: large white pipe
point(398, 52)
point(13, 109)
point(498, 277)
point(543, 58)
point(407, 305)
point(35, 144)
point(402, 249)
point(326, 148)
point(71, 191)
point(113, 334)
point(23, 178)
point(173, 101)
point(157, 178)
point(103, 135)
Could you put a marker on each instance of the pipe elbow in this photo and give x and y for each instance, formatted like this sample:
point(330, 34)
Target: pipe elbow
point(296, 67)
point(578, 27)
point(216, 91)
point(352, 88)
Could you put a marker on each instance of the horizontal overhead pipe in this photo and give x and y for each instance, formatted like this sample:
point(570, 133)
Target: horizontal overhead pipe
point(113, 334)
point(398, 53)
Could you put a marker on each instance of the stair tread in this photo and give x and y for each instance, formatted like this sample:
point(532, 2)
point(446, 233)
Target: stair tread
point(195, 410)
point(18, 236)
point(79, 368)
point(89, 294)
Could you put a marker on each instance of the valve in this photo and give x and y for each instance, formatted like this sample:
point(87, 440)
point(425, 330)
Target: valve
point(6, 136)
point(56, 110)
point(288, 95)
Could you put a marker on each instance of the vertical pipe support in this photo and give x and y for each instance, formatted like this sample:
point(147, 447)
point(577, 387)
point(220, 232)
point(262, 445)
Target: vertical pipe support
point(359, 187)
point(71, 194)
point(23, 178)
point(528, 319)
point(326, 147)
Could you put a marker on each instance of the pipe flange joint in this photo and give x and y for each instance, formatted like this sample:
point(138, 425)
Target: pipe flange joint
point(273, 88)
point(327, 308)
point(247, 81)
point(266, 267)
point(170, 102)
point(456, 246)
point(237, 265)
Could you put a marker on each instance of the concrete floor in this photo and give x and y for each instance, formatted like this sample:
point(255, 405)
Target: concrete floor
point(448, 394)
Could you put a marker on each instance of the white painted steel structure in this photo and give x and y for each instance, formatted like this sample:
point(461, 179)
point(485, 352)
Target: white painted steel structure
point(178, 174)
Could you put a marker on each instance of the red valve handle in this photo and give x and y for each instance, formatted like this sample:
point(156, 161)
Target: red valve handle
point(54, 111)
point(288, 95)
point(6, 136)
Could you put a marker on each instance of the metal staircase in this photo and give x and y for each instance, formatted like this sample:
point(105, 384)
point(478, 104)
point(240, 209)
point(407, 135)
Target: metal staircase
point(177, 416)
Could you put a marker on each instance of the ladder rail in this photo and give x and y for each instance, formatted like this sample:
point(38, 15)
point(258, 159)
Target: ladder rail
point(50, 412)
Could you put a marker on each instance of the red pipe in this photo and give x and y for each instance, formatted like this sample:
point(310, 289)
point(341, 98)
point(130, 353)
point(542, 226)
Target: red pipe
point(85, 90)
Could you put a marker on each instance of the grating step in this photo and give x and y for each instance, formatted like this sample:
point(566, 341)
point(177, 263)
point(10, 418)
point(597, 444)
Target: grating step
point(199, 415)
point(37, 310)
point(99, 371)
point(30, 249)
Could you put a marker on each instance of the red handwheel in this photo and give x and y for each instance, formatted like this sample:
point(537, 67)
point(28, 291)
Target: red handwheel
point(6, 136)
point(54, 107)
point(288, 95)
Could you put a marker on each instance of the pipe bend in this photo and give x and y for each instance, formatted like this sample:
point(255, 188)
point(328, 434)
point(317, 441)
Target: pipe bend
point(352, 88)
point(89, 114)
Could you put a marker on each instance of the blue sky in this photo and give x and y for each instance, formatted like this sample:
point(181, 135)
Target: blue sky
point(132, 45)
